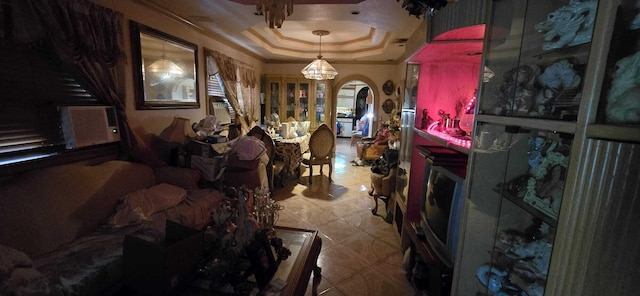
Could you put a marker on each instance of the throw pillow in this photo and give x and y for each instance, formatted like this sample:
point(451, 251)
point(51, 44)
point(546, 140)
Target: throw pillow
point(25, 281)
point(140, 205)
point(11, 258)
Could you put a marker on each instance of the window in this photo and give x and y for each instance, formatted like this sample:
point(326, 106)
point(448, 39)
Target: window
point(216, 95)
point(33, 83)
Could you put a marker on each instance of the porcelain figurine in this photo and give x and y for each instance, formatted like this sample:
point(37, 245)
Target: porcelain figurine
point(568, 25)
point(557, 78)
point(491, 277)
point(623, 102)
point(635, 24)
point(516, 93)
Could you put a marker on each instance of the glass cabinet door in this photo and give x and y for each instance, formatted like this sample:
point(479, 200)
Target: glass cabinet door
point(537, 58)
point(303, 102)
point(273, 100)
point(291, 101)
point(321, 103)
point(512, 210)
point(620, 103)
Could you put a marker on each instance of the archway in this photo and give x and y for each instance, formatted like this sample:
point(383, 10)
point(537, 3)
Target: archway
point(364, 91)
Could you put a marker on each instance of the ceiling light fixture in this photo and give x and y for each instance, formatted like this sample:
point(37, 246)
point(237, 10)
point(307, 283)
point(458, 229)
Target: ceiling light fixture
point(274, 11)
point(319, 69)
point(165, 68)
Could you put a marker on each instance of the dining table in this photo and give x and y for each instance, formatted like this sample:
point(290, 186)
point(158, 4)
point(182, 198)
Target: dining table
point(290, 152)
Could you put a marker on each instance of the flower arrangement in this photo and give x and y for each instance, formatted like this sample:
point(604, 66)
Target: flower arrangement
point(393, 124)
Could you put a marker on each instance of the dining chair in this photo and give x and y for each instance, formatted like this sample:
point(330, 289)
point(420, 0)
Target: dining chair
point(321, 150)
point(273, 167)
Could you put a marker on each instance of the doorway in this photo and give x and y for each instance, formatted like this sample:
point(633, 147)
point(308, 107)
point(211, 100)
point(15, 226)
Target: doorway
point(354, 109)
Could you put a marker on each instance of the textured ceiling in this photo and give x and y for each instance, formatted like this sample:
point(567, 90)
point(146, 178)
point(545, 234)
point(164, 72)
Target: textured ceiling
point(374, 34)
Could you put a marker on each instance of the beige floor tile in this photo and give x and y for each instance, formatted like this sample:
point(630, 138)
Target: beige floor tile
point(323, 286)
point(371, 283)
point(360, 252)
point(338, 230)
point(389, 268)
point(369, 248)
point(338, 264)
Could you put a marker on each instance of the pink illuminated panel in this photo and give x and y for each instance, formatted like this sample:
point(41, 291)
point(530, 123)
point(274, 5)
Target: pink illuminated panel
point(448, 83)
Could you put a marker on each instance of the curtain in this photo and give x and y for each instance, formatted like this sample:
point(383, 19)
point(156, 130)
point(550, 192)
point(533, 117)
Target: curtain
point(250, 93)
point(240, 88)
point(88, 38)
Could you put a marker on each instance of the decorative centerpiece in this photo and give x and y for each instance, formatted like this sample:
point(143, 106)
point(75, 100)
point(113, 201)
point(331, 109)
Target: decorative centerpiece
point(265, 210)
point(231, 230)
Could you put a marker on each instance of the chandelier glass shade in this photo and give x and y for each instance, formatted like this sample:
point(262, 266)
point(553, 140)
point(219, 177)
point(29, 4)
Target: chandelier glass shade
point(165, 68)
point(319, 69)
point(274, 11)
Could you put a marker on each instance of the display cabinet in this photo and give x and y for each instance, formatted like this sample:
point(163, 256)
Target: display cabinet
point(513, 211)
point(322, 111)
point(273, 100)
point(538, 58)
point(618, 116)
point(298, 98)
point(557, 138)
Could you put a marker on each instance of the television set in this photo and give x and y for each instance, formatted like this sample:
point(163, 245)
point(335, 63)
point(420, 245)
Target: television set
point(442, 206)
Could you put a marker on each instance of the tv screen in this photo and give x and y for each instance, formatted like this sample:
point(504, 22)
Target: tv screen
point(442, 206)
point(439, 195)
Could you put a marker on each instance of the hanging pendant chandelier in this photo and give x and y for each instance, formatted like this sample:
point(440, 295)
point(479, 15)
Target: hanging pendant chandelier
point(319, 69)
point(165, 68)
point(274, 11)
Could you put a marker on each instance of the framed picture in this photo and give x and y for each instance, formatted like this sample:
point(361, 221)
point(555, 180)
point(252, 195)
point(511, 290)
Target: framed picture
point(388, 87)
point(165, 69)
point(263, 262)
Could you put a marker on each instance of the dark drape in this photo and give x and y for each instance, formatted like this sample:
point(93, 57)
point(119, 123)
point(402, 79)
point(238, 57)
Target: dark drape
point(88, 38)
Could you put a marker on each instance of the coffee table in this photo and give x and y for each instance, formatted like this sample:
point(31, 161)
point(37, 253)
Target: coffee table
point(295, 271)
point(305, 248)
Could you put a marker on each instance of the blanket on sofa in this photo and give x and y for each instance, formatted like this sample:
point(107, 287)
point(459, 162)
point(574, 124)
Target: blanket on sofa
point(82, 260)
point(93, 263)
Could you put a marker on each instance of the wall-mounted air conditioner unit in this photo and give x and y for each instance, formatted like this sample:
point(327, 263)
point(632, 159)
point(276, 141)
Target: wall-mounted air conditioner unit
point(221, 111)
point(89, 125)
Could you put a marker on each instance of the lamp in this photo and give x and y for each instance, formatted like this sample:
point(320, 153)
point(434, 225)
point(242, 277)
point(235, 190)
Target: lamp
point(177, 131)
point(173, 137)
point(319, 69)
point(165, 68)
point(273, 11)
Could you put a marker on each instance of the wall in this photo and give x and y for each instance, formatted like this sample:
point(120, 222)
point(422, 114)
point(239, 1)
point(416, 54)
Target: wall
point(373, 74)
point(154, 121)
point(442, 86)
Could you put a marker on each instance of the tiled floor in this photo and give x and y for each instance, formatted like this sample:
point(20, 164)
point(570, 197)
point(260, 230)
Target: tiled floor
point(361, 253)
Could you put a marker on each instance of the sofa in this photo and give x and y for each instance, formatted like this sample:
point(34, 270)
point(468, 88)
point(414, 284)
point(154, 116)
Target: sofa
point(63, 227)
